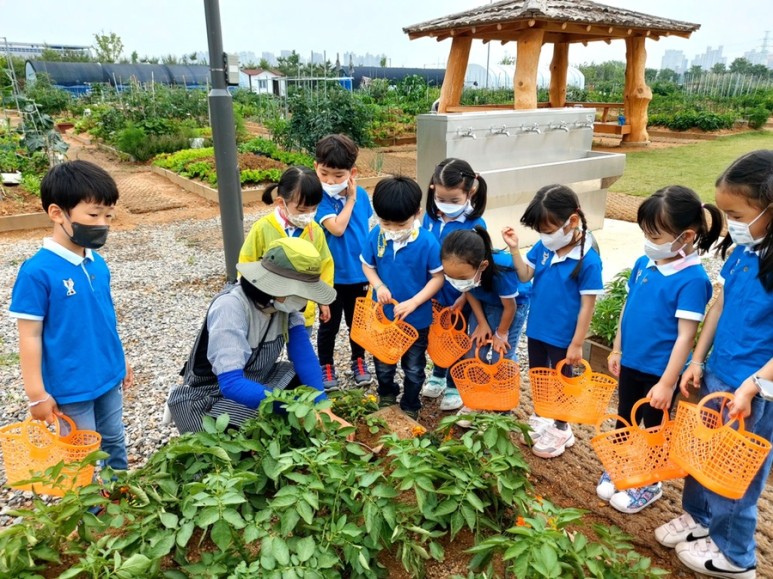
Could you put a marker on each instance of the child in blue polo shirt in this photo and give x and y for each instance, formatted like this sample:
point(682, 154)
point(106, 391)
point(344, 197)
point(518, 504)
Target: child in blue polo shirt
point(667, 296)
point(72, 361)
point(715, 535)
point(566, 269)
point(491, 287)
point(456, 200)
point(343, 213)
point(402, 262)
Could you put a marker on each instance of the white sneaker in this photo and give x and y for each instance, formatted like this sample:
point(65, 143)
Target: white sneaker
point(606, 488)
point(451, 400)
point(681, 529)
point(553, 442)
point(463, 411)
point(704, 557)
point(537, 425)
point(434, 386)
point(634, 500)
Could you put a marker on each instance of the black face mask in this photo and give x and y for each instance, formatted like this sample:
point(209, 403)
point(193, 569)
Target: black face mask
point(88, 236)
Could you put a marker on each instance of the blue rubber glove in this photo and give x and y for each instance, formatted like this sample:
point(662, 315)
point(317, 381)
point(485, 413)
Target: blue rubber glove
point(305, 361)
point(236, 387)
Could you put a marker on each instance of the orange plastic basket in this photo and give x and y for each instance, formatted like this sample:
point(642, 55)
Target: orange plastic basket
point(582, 399)
point(386, 339)
point(448, 340)
point(485, 386)
point(635, 456)
point(721, 458)
point(29, 448)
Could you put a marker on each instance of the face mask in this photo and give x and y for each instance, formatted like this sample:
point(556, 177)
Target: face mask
point(335, 189)
point(300, 220)
point(741, 233)
point(88, 236)
point(463, 285)
point(450, 209)
point(291, 304)
point(397, 236)
point(558, 239)
point(658, 251)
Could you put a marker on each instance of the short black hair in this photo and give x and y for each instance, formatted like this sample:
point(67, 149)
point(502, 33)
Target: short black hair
point(73, 182)
point(396, 198)
point(299, 184)
point(336, 152)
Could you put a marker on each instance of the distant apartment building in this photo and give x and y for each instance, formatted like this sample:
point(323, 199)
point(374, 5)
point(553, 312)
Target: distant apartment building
point(674, 60)
point(709, 58)
point(32, 50)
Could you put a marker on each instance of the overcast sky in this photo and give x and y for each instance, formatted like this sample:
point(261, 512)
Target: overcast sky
point(158, 27)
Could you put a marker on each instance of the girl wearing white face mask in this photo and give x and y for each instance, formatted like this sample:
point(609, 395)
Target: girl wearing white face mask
point(566, 270)
point(491, 287)
point(667, 295)
point(295, 199)
point(734, 354)
point(456, 200)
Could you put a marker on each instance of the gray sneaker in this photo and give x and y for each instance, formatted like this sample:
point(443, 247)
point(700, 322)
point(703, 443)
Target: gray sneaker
point(329, 378)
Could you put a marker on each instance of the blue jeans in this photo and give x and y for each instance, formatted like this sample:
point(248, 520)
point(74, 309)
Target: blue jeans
point(105, 415)
point(732, 523)
point(493, 315)
point(413, 363)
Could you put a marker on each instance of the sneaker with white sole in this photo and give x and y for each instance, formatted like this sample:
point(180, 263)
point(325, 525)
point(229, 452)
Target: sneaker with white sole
point(704, 557)
point(681, 529)
point(605, 489)
point(434, 386)
point(329, 378)
point(463, 411)
point(553, 442)
point(537, 425)
point(632, 501)
point(361, 373)
point(451, 400)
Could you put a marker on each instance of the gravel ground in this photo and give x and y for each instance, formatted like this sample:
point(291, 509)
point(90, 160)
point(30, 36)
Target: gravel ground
point(163, 280)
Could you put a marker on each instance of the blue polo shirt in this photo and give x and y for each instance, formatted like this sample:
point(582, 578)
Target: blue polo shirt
point(440, 229)
point(70, 294)
point(556, 297)
point(743, 342)
point(405, 271)
point(505, 282)
point(658, 297)
point(346, 248)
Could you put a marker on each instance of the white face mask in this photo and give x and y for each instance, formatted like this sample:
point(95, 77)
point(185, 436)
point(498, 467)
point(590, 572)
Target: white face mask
point(741, 233)
point(658, 251)
point(558, 239)
point(397, 236)
point(291, 304)
point(451, 209)
point(300, 220)
point(463, 285)
point(335, 188)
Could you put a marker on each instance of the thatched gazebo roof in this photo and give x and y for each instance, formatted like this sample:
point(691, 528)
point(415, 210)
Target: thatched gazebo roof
point(533, 23)
point(563, 21)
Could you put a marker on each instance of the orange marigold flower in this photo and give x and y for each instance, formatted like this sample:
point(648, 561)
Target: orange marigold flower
point(520, 522)
point(418, 431)
point(538, 498)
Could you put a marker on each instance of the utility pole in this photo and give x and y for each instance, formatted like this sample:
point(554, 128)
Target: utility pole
point(221, 118)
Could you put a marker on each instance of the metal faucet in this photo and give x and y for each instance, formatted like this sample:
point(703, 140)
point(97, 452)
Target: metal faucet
point(532, 129)
point(468, 133)
point(500, 131)
point(585, 125)
point(562, 126)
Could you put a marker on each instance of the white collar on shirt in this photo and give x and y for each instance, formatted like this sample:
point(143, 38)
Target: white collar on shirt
point(64, 253)
point(341, 198)
point(677, 265)
point(575, 252)
point(286, 225)
point(461, 219)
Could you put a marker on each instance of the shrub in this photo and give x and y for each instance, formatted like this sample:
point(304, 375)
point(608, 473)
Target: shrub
point(758, 117)
point(143, 146)
point(606, 315)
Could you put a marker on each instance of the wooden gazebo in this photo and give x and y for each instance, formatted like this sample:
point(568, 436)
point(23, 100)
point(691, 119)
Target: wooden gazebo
point(532, 23)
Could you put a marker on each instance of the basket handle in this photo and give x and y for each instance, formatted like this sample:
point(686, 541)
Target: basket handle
point(381, 316)
point(727, 397)
point(636, 408)
point(456, 315)
point(482, 361)
point(56, 435)
point(615, 416)
point(573, 380)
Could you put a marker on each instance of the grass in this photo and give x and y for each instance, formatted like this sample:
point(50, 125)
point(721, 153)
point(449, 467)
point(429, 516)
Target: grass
point(696, 166)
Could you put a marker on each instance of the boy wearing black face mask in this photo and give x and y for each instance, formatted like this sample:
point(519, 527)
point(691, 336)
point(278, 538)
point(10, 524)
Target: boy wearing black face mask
point(72, 360)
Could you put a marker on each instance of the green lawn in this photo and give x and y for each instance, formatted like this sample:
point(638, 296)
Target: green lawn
point(696, 166)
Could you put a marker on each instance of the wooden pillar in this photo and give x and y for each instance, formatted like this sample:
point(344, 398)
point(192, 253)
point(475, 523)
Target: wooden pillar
point(453, 82)
point(637, 95)
point(526, 65)
point(559, 67)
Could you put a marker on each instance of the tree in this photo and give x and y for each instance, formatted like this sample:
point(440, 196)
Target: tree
point(719, 68)
point(650, 74)
point(759, 70)
point(169, 59)
point(108, 47)
point(667, 75)
point(383, 62)
point(66, 55)
point(289, 65)
point(135, 57)
point(740, 65)
point(507, 60)
point(264, 64)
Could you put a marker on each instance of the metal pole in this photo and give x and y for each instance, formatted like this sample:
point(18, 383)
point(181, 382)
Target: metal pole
point(221, 116)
